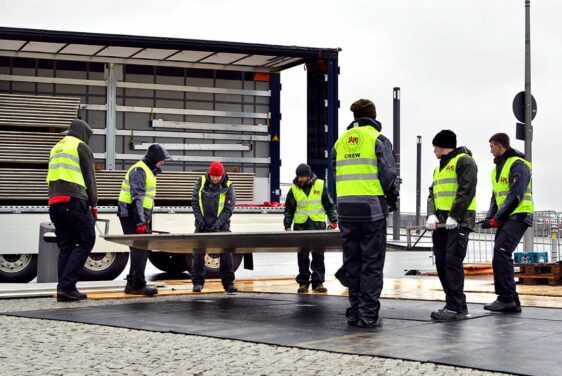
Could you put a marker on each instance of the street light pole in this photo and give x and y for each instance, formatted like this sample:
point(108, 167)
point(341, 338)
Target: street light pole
point(528, 240)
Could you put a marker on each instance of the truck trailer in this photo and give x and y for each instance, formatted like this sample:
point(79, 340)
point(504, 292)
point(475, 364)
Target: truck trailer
point(204, 100)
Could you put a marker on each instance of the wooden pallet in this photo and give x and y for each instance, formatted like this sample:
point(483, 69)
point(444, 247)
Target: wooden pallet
point(540, 274)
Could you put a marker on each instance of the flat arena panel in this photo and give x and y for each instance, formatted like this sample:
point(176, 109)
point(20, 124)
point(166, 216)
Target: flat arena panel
point(292, 241)
point(525, 343)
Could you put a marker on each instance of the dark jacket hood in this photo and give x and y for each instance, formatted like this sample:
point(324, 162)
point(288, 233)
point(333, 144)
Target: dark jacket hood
point(510, 152)
point(362, 122)
point(312, 180)
point(80, 129)
point(460, 150)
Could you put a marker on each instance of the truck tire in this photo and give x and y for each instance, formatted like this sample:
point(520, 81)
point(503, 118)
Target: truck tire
point(104, 266)
point(168, 262)
point(18, 268)
point(212, 263)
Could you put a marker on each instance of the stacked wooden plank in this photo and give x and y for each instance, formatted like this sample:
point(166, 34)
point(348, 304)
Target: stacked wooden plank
point(29, 184)
point(27, 147)
point(30, 111)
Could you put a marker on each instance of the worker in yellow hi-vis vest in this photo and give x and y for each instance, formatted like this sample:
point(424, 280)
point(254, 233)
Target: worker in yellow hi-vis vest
point(136, 201)
point(511, 213)
point(452, 204)
point(367, 190)
point(213, 200)
point(72, 206)
point(307, 205)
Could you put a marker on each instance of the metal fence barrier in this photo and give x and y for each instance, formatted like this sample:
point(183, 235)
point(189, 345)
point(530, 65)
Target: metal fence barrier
point(546, 226)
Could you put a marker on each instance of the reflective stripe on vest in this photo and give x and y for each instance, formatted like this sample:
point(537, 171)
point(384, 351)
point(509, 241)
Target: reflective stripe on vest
point(445, 185)
point(501, 187)
point(309, 206)
point(64, 162)
point(222, 197)
point(150, 186)
point(357, 172)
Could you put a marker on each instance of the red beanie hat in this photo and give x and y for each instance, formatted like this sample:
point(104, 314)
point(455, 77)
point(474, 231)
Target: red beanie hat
point(216, 169)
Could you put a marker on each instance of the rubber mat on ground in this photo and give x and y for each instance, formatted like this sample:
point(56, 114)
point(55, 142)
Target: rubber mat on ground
point(523, 343)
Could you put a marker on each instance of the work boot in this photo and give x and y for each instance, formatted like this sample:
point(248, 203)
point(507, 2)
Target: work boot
point(69, 296)
point(303, 288)
point(81, 295)
point(445, 314)
point(319, 288)
point(137, 286)
point(351, 316)
point(499, 306)
point(365, 324)
point(231, 289)
point(197, 288)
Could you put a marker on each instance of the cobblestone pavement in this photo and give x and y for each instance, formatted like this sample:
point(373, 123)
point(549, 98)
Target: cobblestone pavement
point(42, 347)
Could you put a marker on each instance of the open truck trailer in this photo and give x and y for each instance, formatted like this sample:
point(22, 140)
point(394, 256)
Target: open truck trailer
point(204, 100)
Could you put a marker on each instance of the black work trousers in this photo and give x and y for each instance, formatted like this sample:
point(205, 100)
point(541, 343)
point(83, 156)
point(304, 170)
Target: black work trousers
point(226, 267)
point(76, 236)
point(449, 248)
point(506, 241)
point(138, 257)
point(364, 250)
point(305, 265)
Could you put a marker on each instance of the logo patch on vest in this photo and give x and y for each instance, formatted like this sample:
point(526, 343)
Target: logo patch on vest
point(503, 180)
point(450, 168)
point(316, 192)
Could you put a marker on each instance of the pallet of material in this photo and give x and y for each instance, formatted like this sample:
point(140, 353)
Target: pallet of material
point(31, 111)
point(540, 274)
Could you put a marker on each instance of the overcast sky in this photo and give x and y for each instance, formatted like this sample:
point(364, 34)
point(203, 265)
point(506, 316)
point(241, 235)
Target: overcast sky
point(458, 63)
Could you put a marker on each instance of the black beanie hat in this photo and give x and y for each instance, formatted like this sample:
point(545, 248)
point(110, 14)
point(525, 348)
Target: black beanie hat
point(445, 139)
point(363, 108)
point(303, 170)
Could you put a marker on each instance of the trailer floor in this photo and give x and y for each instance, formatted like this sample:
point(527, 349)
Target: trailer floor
point(525, 343)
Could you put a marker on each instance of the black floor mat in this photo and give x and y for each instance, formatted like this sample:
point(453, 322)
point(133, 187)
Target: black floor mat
point(526, 343)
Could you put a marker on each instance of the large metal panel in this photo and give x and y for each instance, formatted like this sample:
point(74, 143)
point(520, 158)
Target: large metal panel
point(256, 242)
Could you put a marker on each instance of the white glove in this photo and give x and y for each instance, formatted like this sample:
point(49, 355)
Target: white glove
point(451, 223)
point(431, 223)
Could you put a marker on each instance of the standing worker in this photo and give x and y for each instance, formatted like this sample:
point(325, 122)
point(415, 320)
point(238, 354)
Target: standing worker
point(451, 201)
point(136, 201)
point(73, 206)
point(511, 213)
point(213, 202)
point(366, 187)
point(306, 205)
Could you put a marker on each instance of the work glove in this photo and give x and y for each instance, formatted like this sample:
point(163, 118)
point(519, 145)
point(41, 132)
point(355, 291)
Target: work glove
point(142, 229)
point(214, 228)
point(333, 226)
point(431, 223)
point(392, 202)
point(451, 223)
point(287, 229)
point(489, 223)
point(94, 212)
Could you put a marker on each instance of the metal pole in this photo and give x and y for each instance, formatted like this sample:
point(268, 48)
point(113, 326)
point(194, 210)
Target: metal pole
point(418, 183)
point(528, 240)
point(111, 116)
point(396, 140)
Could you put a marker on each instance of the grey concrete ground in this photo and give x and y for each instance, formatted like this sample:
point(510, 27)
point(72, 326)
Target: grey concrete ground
point(41, 347)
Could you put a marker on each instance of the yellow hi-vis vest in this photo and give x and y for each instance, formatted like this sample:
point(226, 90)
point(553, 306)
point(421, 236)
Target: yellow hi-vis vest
point(309, 206)
point(150, 186)
point(445, 185)
point(501, 188)
point(357, 172)
point(64, 162)
point(222, 197)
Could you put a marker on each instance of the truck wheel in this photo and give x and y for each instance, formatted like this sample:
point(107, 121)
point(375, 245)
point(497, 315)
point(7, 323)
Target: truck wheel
point(212, 264)
point(168, 262)
point(18, 268)
point(104, 266)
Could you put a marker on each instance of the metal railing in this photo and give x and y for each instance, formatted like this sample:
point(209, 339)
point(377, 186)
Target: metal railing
point(546, 226)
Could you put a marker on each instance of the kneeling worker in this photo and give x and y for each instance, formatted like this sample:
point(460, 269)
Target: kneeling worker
point(213, 202)
point(136, 201)
point(306, 205)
